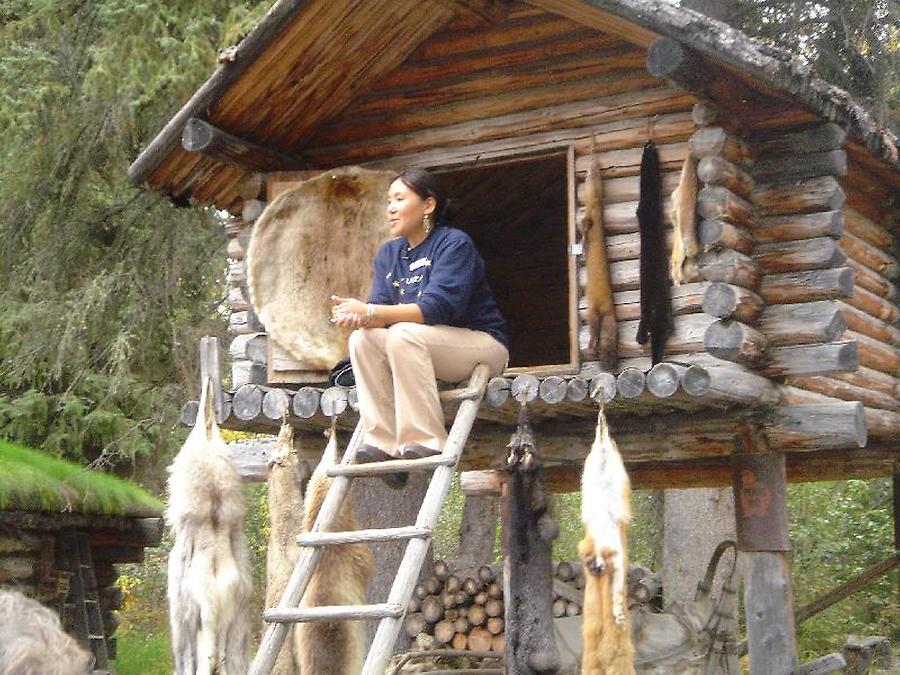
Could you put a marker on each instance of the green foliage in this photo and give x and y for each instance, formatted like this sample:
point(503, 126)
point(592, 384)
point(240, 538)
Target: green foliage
point(837, 530)
point(33, 481)
point(105, 287)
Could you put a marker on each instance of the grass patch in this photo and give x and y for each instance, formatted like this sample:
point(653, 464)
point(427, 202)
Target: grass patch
point(34, 481)
point(142, 654)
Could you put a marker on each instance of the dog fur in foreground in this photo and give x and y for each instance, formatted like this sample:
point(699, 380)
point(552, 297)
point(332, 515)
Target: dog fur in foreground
point(340, 578)
point(209, 566)
point(605, 513)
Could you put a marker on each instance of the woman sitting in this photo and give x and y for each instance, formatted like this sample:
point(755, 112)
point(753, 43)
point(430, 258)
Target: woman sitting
point(431, 315)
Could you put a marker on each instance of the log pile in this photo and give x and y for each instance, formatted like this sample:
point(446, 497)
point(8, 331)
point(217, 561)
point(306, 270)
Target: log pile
point(464, 609)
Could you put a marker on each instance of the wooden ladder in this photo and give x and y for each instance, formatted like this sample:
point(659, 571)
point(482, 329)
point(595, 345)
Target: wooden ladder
point(82, 605)
point(390, 614)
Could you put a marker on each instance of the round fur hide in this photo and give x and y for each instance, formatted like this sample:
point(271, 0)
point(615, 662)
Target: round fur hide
point(313, 241)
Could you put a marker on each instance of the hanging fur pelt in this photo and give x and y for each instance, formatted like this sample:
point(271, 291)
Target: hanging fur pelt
point(656, 316)
point(209, 566)
point(685, 247)
point(605, 513)
point(286, 482)
point(604, 341)
point(340, 578)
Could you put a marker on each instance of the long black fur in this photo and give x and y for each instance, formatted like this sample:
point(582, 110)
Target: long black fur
point(656, 312)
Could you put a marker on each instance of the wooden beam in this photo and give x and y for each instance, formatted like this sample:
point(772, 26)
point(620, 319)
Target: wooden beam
point(492, 11)
point(201, 136)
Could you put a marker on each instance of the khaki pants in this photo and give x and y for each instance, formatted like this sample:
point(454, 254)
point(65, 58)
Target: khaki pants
point(396, 370)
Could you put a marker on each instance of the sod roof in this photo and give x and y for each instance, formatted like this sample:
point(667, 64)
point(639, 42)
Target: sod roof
point(33, 481)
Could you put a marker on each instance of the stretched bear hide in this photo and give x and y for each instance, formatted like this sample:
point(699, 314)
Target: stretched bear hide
point(656, 320)
point(312, 241)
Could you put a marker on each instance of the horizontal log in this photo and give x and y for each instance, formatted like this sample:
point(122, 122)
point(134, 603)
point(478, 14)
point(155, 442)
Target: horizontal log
point(883, 424)
point(874, 258)
point(796, 256)
point(627, 188)
point(824, 359)
point(730, 267)
point(815, 427)
point(819, 138)
point(876, 355)
point(276, 405)
point(799, 226)
point(835, 388)
point(685, 299)
point(793, 287)
point(873, 380)
point(729, 384)
point(704, 114)
point(719, 203)
point(800, 167)
point(234, 249)
point(874, 305)
point(247, 372)
point(816, 194)
point(628, 246)
point(252, 209)
point(630, 383)
point(664, 379)
point(621, 218)
point(719, 171)
point(718, 234)
point(868, 325)
point(866, 229)
point(201, 136)
point(717, 142)
point(725, 301)
point(803, 323)
point(872, 281)
point(686, 337)
point(246, 404)
point(236, 299)
point(734, 341)
point(253, 347)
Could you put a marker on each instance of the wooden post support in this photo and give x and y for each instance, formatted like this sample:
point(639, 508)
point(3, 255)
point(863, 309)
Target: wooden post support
point(760, 487)
point(209, 368)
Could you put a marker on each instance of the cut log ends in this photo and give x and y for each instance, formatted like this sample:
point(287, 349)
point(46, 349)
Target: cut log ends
point(734, 341)
point(717, 234)
point(725, 301)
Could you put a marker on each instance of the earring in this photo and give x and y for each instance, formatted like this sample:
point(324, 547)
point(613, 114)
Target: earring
point(426, 223)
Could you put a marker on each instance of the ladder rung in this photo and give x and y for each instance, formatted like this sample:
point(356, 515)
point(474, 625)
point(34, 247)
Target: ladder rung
point(460, 394)
point(391, 466)
point(334, 613)
point(359, 536)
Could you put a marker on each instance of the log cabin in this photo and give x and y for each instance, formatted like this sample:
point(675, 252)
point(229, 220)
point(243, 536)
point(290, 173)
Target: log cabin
point(782, 364)
point(63, 530)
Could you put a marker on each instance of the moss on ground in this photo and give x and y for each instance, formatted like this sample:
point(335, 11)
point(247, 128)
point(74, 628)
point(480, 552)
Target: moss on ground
point(34, 481)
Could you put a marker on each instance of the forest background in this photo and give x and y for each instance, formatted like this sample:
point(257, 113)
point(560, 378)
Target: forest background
point(105, 288)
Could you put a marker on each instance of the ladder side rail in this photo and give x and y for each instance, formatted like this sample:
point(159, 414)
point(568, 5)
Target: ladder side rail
point(275, 633)
point(386, 635)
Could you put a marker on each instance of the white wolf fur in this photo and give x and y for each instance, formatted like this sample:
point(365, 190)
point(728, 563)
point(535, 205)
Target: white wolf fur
point(32, 642)
point(209, 566)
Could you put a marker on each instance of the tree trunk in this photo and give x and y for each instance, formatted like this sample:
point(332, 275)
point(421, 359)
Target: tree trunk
point(686, 547)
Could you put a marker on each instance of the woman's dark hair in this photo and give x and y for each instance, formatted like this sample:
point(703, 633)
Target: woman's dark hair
point(425, 184)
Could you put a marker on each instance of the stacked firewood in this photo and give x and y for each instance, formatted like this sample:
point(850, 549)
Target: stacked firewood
point(465, 610)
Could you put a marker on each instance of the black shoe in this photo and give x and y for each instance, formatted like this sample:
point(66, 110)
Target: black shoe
point(416, 451)
point(369, 454)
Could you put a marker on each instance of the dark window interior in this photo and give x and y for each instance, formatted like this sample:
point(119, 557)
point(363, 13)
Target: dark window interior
point(516, 212)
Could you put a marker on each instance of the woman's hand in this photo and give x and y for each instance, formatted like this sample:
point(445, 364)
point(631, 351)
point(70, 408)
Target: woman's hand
point(348, 312)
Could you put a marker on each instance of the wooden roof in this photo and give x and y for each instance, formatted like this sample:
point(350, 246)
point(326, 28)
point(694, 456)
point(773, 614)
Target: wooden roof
point(318, 78)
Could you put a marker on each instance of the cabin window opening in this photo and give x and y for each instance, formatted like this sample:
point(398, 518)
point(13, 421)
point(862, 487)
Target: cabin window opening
point(517, 214)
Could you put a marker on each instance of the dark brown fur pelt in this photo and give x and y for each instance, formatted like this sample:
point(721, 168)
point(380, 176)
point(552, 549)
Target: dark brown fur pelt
point(287, 479)
point(340, 578)
point(656, 313)
point(604, 341)
point(312, 241)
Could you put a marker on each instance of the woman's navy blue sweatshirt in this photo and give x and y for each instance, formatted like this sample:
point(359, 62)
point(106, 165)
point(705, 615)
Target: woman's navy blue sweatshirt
point(444, 276)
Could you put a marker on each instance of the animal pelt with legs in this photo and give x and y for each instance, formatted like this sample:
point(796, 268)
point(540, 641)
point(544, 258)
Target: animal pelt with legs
point(32, 641)
point(287, 478)
point(605, 513)
point(604, 338)
point(209, 565)
point(312, 241)
point(340, 578)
